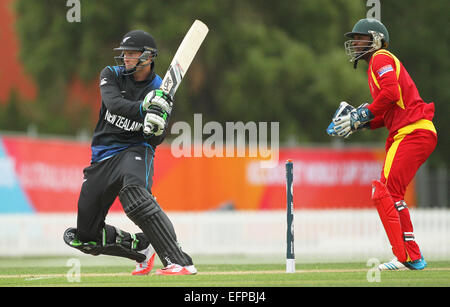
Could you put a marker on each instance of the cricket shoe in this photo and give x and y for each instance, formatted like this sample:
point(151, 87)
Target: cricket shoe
point(146, 266)
point(393, 265)
point(418, 264)
point(176, 269)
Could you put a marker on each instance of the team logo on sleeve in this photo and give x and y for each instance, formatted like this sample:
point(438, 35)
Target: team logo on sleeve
point(384, 69)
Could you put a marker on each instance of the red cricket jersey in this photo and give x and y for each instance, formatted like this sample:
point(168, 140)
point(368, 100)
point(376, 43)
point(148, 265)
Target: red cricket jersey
point(396, 100)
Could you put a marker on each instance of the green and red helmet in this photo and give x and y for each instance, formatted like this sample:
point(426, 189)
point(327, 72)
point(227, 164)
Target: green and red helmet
point(378, 38)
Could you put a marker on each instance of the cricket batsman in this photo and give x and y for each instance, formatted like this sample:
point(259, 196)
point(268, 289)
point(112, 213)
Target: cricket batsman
point(412, 137)
point(122, 165)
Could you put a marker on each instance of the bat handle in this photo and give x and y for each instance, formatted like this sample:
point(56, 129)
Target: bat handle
point(148, 129)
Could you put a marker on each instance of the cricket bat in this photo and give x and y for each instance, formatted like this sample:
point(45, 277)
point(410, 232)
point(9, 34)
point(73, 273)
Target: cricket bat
point(182, 60)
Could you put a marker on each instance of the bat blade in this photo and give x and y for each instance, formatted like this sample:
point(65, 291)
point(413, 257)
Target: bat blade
point(184, 56)
point(182, 60)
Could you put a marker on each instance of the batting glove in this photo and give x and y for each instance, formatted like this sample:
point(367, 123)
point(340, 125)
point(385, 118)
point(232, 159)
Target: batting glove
point(155, 121)
point(157, 98)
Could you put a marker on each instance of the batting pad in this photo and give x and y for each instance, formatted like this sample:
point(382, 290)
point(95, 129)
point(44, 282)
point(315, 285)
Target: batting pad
point(389, 217)
point(142, 208)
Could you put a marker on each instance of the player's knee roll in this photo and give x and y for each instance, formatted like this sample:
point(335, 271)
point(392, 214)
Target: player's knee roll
point(138, 203)
point(113, 235)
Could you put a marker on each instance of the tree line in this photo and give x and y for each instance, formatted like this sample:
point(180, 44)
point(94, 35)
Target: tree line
point(267, 61)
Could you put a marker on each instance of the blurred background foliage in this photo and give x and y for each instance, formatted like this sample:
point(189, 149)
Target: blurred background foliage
point(262, 60)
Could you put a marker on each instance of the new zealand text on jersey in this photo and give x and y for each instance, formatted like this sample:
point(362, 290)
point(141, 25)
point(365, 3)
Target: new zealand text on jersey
point(122, 122)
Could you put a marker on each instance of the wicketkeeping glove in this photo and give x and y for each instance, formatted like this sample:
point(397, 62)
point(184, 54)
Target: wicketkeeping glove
point(343, 109)
point(357, 119)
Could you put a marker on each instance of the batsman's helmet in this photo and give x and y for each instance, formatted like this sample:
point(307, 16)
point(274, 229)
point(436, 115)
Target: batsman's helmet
point(137, 40)
point(379, 38)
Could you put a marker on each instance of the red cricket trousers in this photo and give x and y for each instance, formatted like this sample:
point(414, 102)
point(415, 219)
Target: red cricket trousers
point(405, 153)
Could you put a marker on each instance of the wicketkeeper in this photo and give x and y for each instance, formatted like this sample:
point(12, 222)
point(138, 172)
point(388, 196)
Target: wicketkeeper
point(122, 165)
point(398, 106)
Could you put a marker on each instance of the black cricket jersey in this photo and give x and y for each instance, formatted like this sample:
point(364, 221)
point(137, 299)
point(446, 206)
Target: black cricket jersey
point(120, 123)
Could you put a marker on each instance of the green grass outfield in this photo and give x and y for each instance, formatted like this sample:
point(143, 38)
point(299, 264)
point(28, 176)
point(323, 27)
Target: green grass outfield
point(106, 271)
